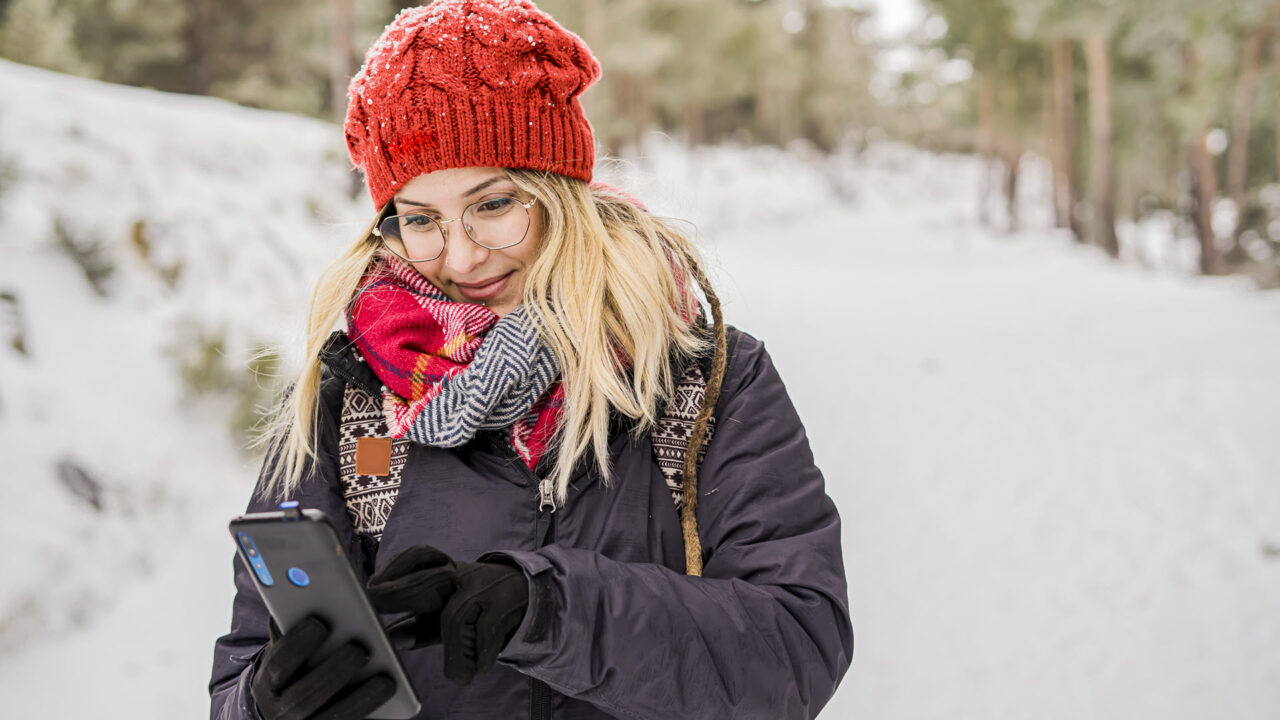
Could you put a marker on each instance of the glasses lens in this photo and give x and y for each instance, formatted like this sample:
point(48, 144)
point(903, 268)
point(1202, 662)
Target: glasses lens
point(419, 235)
point(496, 222)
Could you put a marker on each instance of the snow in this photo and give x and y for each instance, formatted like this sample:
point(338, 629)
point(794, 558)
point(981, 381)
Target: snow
point(1056, 473)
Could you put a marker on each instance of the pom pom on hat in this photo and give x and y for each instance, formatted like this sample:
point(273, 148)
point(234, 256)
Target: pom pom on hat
point(462, 83)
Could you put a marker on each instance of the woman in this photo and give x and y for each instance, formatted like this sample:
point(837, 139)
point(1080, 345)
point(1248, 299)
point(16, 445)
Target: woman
point(505, 432)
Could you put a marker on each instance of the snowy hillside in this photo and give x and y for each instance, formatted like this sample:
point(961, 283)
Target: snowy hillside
point(1058, 475)
point(194, 220)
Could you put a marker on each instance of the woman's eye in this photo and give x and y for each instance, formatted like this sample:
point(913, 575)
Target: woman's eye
point(419, 222)
point(494, 206)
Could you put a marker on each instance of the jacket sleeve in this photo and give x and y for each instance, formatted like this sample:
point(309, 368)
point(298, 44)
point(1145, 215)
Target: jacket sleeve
point(764, 633)
point(234, 653)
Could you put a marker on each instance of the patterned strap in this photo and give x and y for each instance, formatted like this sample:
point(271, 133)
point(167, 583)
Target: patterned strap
point(675, 430)
point(369, 498)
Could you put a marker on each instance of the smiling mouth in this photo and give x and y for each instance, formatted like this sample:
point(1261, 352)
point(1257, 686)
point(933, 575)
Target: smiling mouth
point(488, 290)
point(477, 286)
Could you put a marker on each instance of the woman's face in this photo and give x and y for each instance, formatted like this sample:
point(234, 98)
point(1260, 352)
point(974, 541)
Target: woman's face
point(465, 271)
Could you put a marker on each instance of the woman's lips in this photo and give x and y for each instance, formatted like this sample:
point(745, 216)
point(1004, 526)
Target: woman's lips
point(484, 292)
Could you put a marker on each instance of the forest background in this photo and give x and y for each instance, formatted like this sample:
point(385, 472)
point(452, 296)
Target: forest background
point(1158, 111)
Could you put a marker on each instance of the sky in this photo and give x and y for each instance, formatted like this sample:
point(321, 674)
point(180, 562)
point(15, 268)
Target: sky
point(894, 17)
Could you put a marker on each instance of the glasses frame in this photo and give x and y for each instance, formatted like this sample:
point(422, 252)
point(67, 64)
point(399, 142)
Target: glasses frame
point(444, 231)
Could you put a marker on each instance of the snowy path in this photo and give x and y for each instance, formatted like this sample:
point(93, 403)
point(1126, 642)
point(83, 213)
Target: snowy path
point(1058, 476)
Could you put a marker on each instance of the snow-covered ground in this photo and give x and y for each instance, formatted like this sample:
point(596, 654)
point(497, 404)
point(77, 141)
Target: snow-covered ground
point(1058, 475)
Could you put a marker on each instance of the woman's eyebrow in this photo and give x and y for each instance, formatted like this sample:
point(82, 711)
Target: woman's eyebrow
point(483, 184)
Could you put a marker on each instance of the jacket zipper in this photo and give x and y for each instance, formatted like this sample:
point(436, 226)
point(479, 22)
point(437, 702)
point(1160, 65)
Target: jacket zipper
point(544, 533)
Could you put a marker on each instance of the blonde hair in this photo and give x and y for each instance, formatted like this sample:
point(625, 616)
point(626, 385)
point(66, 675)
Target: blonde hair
point(609, 277)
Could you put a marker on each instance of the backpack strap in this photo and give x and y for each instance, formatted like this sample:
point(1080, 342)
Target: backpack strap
point(675, 426)
point(675, 429)
point(368, 497)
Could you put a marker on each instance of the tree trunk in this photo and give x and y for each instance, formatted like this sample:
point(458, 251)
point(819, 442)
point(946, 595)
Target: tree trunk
point(1242, 119)
point(694, 115)
point(811, 77)
point(1276, 52)
point(1066, 179)
point(1205, 189)
point(340, 58)
point(618, 132)
point(593, 32)
point(643, 103)
point(765, 121)
point(1103, 175)
point(1049, 134)
point(196, 38)
point(788, 116)
point(986, 140)
point(1011, 155)
point(1008, 147)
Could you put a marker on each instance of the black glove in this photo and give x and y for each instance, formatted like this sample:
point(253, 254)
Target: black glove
point(291, 683)
point(418, 580)
point(481, 617)
point(473, 608)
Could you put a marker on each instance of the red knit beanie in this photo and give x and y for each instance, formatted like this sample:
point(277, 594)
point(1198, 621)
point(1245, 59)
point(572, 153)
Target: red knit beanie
point(463, 83)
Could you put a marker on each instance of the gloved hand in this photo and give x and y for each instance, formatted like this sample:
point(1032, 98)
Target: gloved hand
point(324, 689)
point(419, 580)
point(473, 608)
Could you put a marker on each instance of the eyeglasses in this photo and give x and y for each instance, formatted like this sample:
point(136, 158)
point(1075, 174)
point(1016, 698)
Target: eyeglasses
point(494, 223)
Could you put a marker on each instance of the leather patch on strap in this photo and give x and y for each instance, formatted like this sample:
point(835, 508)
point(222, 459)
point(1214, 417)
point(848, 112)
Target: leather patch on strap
point(373, 456)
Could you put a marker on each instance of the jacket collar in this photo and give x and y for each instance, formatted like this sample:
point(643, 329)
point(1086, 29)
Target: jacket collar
point(339, 354)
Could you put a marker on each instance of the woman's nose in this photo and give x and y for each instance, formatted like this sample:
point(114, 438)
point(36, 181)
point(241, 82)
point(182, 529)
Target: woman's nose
point(461, 255)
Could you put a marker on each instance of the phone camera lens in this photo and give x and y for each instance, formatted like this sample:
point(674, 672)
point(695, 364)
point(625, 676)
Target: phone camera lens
point(298, 577)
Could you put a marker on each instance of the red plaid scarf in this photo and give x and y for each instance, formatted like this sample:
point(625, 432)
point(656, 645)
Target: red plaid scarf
point(415, 338)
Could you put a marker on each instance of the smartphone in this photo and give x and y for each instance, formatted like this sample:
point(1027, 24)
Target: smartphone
point(301, 569)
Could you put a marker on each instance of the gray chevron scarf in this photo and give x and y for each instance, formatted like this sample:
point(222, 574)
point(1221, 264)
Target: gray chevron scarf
point(450, 369)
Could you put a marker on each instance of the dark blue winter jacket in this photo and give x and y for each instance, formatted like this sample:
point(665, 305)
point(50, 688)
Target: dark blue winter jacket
point(615, 629)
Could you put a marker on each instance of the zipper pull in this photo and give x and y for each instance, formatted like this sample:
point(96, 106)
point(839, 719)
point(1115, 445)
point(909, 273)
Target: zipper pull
point(546, 496)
